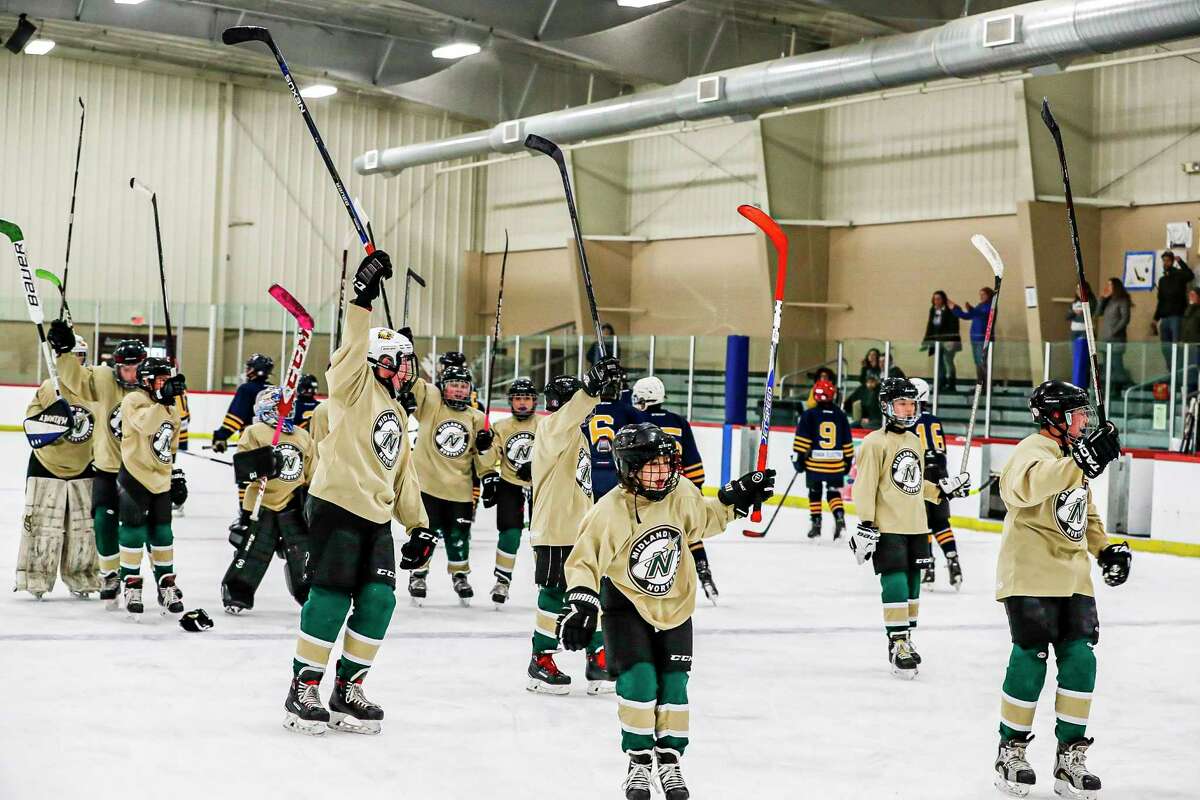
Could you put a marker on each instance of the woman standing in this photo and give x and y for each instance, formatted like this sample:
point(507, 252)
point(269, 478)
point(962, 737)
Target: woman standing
point(1114, 312)
point(942, 327)
point(979, 317)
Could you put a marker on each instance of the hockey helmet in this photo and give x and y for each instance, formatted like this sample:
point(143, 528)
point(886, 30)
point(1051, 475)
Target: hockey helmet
point(648, 392)
point(522, 387)
point(259, 367)
point(266, 408)
point(453, 373)
point(634, 447)
point(387, 350)
point(824, 391)
point(1054, 402)
point(893, 389)
point(307, 386)
point(128, 353)
point(922, 389)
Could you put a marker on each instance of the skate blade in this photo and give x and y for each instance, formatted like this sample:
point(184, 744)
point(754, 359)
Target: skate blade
point(905, 674)
point(465, 602)
point(1012, 788)
point(111, 605)
point(498, 605)
point(1064, 789)
point(133, 616)
point(537, 687)
point(344, 723)
point(306, 727)
point(601, 687)
point(233, 611)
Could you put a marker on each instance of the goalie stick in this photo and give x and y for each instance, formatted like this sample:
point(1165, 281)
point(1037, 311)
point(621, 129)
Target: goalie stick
point(491, 371)
point(65, 310)
point(997, 264)
point(162, 271)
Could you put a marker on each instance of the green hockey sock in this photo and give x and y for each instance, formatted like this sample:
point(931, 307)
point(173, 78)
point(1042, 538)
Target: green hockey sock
point(1076, 680)
point(671, 713)
point(162, 550)
point(1022, 685)
point(895, 601)
point(108, 546)
point(132, 539)
point(373, 607)
point(637, 698)
point(545, 630)
point(320, 620)
point(506, 552)
point(914, 596)
point(458, 548)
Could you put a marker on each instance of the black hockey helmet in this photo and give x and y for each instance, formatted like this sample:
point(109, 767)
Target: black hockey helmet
point(451, 358)
point(560, 390)
point(307, 386)
point(634, 446)
point(128, 353)
point(522, 387)
point(1052, 402)
point(454, 372)
point(259, 367)
point(893, 389)
point(151, 368)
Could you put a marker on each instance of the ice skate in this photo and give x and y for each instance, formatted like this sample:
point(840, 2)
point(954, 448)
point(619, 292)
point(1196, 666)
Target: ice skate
point(815, 531)
point(929, 574)
point(133, 596)
point(500, 593)
point(599, 681)
point(955, 568)
point(350, 710)
point(704, 573)
point(305, 712)
point(637, 777)
point(462, 588)
point(110, 590)
point(416, 589)
point(81, 594)
point(670, 776)
point(903, 658)
point(169, 596)
point(839, 526)
point(1014, 776)
point(545, 677)
point(1071, 776)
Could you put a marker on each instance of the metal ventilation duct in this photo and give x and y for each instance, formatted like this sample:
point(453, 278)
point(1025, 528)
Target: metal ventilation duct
point(1041, 33)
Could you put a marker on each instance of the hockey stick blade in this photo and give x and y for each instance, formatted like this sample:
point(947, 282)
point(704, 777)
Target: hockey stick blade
point(48, 277)
point(416, 278)
point(49, 425)
point(11, 231)
point(989, 252)
point(544, 146)
point(246, 33)
point(1048, 117)
point(292, 305)
point(768, 226)
point(140, 187)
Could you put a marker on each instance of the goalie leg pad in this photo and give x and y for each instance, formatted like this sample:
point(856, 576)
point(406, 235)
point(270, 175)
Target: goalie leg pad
point(42, 534)
point(80, 561)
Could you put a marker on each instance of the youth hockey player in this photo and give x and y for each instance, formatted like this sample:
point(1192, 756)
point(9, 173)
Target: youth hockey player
point(890, 494)
point(364, 477)
point(241, 407)
point(630, 561)
point(614, 411)
point(514, 437)
point(306, 400)
point(280, 526)
point(823, 449)
point(929, 431)
point(648, 397)
point(57, 535)
point(562, 494)
point(1043, 577)
point(147, 485)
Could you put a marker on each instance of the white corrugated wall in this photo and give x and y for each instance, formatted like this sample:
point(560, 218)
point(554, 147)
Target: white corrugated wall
point(525, 196)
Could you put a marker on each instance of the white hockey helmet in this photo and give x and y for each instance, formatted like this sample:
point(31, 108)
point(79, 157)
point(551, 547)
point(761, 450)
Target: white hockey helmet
point(80, 349)
point(388, 348)
point(922, 389)
point(648, 392)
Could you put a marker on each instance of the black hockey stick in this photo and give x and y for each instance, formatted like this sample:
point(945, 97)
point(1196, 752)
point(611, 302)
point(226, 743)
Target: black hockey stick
point(782, 500)
point(491, 373)
point(213, 459)
point(162, 271)
point(64, 311)
point(341, 306)
point(252, 33)
point(408, 281)
point(549, 148)
point(387, 307)
point(1052, 124)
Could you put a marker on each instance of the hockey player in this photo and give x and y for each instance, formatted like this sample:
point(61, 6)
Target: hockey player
point(929, 431)
point(890, 493)
point(306, 400)
point(241, 407)
point(364, 478)
point(614, 411)
point(562, 494)
point(823, 449)
point(648, 397)
point(452, 447)
point(57, 535)
point(1043, 577)
point(630, 561)
point(147, 485)
point(280, 526)
point(514, 437)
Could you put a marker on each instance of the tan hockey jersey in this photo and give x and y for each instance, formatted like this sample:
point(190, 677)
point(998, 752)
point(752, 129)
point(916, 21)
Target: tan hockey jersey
point(295, 447)
point(364, 464)
point(72, 452)
point(646, 554)
point(1051, 524)
point(514, 446)
point(99, 388)
point(445, 455)
point(562, 474)
point(149, 440)
point(318, 429)
point(890, 490)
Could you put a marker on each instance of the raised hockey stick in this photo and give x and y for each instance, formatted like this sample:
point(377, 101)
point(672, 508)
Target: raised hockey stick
point(549, 148)
point(408, 281)
point(52, 422)
point(252, 33)
point(52, 279)
point(1081, 281)
point(387, 307)
point(341, 306)
point(162, 270)
point(997, 264)
point(780, 243)
point(65, 311)
point(287, 395)
point(491, 370)
point(760, 534)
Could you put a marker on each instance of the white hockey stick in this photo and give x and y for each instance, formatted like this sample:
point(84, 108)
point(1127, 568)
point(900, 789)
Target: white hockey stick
point(993, 258)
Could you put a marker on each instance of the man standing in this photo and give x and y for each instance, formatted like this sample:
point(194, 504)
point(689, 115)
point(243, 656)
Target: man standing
point(1172, 300)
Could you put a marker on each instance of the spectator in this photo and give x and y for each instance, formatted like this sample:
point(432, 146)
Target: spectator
point(610, 342)
point(1079, 351)
point(1172, 300)
point(979, 317)
point(822, 374)
point(1115, 309)
point(862, 406)
point(943, 327)
point(1189, 334)
point(872, 364)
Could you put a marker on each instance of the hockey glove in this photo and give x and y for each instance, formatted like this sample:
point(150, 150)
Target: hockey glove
point(1115, 561)
point(752, 489)
point(417, 551)
point(483, 441)
point(179, 493)
point(525, 471)
point(577, 623)
point(250, 466)
point(604, 377)
point(196, 621)
point(174, 386)
point(60, 337)
point(863, 542)
point(798, 463)
point(957, 486)
point(1097, 450)
point(240, 529)
point(488, 485)
point(219, 445)
point(372, 272)
point(408, 401)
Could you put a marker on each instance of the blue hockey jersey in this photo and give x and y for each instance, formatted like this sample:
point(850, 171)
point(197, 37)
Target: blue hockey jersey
point(823, 442)
point(600, 429)
point(677, 426)
point(241, 410)
point(929, 430)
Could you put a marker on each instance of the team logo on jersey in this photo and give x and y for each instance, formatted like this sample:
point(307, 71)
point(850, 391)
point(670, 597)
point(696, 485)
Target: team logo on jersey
point(451, 438)
point(293, 461)
point(1070, 513)
point(519, 448)
point(583, 471)
point(906, 471)
point(84, 424)
point(160, 442)
point(114, 423)
point(654, 560)
point(386, 438)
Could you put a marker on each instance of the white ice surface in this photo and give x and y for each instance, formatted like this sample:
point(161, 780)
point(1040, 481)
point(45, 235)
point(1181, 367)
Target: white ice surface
point(791, 695)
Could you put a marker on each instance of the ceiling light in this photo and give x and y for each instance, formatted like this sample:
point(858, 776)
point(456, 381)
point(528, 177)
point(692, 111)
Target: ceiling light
point(456, 50)
point(39, 47)
point(129, 2)
point(639, 3)
point(317, 91)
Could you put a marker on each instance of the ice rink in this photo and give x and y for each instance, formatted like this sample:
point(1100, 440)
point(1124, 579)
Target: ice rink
point(791, 694)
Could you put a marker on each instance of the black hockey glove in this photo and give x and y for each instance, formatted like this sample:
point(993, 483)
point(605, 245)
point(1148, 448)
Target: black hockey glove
point(408, 401)
point(604, 377)
point(525, 471)
point(752, 489)
point(60, 337)
point(488, 485)
point(179, 493)
point(371, 273)
point(483, 441)
point(417, 551)
point(240, 529)
point(863, 542)
point(250, 466)
point(577, 622)
point(798, 463)
point(219, 445)
point(196, 621)
point(1115, 561)
point(957, 486)
point(1097, 450)
point(174, 386)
